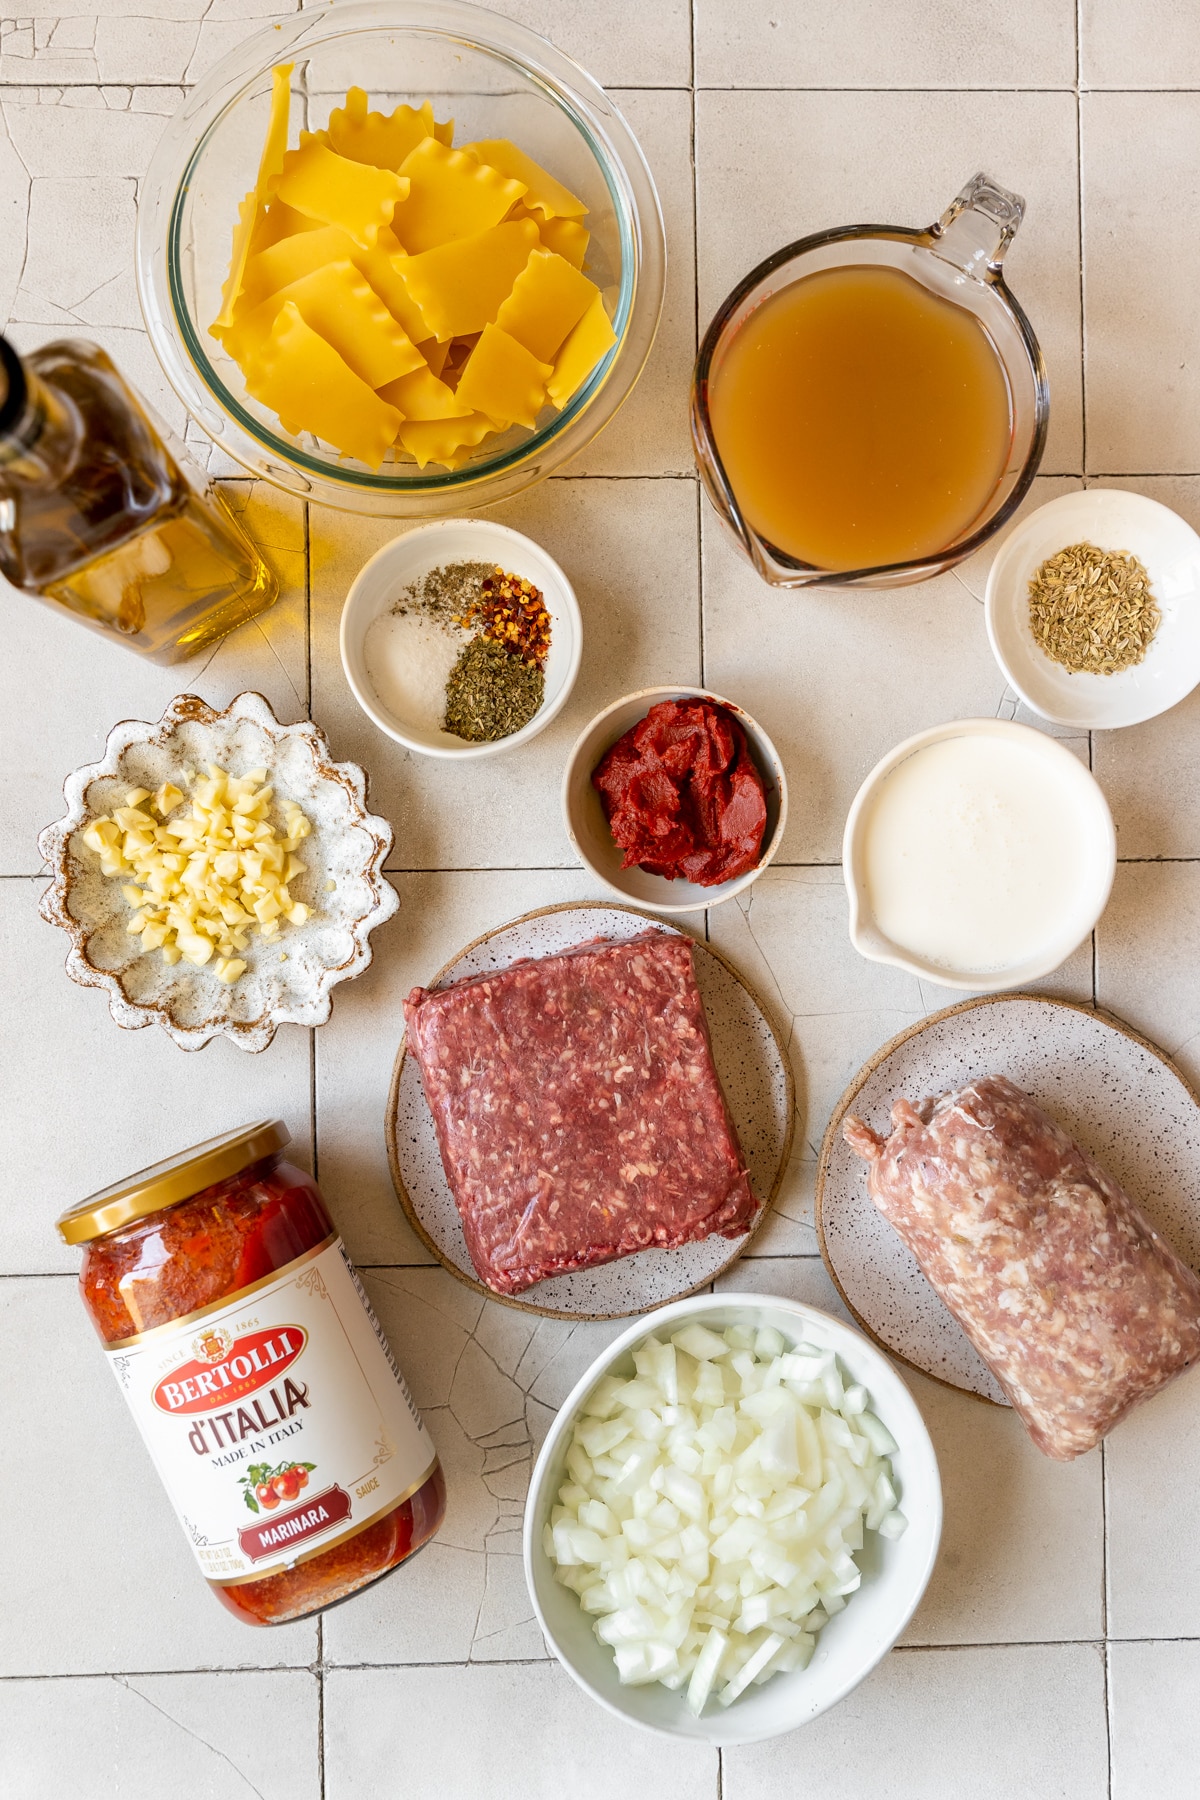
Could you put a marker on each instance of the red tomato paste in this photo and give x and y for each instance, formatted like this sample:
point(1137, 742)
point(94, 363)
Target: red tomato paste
point(682, 796)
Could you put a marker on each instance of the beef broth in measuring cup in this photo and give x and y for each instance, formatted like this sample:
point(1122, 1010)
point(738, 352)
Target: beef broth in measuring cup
point(870, 404)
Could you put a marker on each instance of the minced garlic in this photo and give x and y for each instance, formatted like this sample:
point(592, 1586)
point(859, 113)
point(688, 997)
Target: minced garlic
point(201, 883)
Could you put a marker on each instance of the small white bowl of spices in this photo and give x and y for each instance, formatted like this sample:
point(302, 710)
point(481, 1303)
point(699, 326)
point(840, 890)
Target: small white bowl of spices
point(461, 638)
point(1093, 609)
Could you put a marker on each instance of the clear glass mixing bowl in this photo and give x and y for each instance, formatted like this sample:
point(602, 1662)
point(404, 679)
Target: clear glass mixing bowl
point(496, 79)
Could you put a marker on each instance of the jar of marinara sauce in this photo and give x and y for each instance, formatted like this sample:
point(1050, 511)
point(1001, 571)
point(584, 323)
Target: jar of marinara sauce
point(258, 1375)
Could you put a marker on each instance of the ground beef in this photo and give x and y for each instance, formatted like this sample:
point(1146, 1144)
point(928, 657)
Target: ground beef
point(577, 1109)
point(1071, 1297)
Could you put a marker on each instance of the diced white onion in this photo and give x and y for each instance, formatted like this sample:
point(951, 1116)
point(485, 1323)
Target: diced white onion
point(714, 1505)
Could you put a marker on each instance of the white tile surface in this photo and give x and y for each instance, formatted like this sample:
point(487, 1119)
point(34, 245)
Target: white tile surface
point(807, 116)
point(850, 673)
point(1147, 946)
point(1143, 387)
point(1151, 773)
point(1007, 1722)
point(650, 434)
point(529, 1727)
point(1155, 1738)
point(1152, 1460)
point(1139, 44)
point(835, 44)
point(207, 1736)
point(483, 1376)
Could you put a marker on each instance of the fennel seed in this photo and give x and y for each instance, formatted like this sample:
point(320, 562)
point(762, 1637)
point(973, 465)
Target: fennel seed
point(1092, 610)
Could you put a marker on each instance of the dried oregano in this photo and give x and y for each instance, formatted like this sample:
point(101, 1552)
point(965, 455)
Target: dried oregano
point(491, 694)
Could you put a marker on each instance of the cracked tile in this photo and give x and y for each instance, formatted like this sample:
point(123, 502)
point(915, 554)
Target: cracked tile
point(58, 132)
point(211, 1736)
point(487, 1426)
point(426, 1324)
point(509, 1483)
point(506, 1629)
point(139, 49)
point(424, 1612)
point(482, 1396)
point(14, 205)
point(79, 262)
point(130, 349)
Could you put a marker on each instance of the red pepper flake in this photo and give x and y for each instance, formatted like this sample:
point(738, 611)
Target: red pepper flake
point(513, 613)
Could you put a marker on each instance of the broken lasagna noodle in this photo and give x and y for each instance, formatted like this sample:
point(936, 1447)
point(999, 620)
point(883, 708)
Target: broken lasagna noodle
point(395, 296)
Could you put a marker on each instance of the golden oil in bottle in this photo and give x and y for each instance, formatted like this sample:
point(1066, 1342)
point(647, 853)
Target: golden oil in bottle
point(98, 516)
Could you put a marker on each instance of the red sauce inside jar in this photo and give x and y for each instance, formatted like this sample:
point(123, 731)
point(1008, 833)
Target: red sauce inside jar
point(205, 1249)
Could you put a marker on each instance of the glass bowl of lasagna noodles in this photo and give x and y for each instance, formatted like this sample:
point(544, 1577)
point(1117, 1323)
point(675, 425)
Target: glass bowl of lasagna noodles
point(400, 256)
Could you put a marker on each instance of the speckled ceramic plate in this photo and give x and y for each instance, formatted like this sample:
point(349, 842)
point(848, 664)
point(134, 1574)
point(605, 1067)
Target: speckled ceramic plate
point(1110, 1088)
point(755, 1074)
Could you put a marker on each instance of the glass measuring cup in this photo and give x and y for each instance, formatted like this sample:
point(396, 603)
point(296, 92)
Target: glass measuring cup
point(960, 258)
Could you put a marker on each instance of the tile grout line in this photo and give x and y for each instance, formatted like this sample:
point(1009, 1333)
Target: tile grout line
point(320, 1673)
point(543, 1662)
point(577, 868)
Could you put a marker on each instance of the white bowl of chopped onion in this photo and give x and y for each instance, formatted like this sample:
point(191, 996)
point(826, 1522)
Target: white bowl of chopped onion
point(732, 1519)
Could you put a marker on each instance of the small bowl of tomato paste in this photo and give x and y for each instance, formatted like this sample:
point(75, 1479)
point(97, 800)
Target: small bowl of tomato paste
point(675, 798)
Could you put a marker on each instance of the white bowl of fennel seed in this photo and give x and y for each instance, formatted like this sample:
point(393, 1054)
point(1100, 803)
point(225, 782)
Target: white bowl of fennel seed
point(1117, 526)
point(400, 642)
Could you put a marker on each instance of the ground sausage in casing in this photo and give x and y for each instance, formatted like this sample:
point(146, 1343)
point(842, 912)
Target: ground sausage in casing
point(1067, 1292)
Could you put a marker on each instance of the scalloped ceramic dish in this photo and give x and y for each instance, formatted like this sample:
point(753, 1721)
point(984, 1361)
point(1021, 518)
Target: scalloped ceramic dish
point(289, 979)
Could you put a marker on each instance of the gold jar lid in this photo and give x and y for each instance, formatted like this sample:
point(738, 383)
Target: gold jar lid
point(166, 1183)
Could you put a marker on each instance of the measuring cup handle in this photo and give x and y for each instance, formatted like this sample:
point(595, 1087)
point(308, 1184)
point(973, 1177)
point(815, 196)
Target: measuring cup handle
point(977, 227)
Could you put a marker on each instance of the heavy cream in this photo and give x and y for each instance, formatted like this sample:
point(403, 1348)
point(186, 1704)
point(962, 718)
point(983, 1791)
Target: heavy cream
point(979, 853)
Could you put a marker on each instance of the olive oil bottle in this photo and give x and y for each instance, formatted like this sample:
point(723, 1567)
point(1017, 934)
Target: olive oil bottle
point(98, 516)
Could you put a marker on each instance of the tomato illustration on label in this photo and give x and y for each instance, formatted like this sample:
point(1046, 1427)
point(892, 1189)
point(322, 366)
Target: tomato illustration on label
point(263, 1487)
